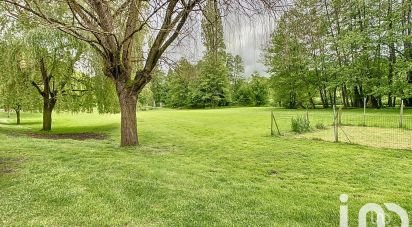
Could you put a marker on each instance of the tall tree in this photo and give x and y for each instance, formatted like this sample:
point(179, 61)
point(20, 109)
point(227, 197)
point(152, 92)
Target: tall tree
point(112, 28)
point(236, 69)
point(406, 22)
point(213, 89)
point(349, 50)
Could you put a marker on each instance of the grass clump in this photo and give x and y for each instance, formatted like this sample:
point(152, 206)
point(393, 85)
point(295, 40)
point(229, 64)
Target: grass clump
point(301, 124)
point(320, 126)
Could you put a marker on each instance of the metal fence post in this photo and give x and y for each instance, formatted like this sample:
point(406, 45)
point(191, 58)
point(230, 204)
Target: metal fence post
point(401, 115)
point(271, 123)
point(364, 111)
point(335, 124)
point(273, 120)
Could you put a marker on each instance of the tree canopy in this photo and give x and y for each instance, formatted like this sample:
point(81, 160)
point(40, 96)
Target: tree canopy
point(342, 52)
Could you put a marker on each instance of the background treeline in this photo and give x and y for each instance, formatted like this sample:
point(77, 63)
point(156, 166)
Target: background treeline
point(203, 85)
point(216, 80)
point(322, 52)
point(44, 70)
point(340, 51)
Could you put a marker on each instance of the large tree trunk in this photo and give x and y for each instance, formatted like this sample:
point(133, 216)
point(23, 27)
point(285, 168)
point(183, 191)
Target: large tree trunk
point(375, 102)
point(128, 107)
point(358, 97)
point(48, 106)
point(324, 97)
point(345, 98)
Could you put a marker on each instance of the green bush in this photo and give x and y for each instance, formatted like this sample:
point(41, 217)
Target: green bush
point(300, 124)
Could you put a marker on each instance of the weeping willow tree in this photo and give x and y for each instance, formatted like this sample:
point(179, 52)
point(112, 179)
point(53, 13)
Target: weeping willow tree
point(51, 57)
point(39, 62)
point(16, 91)
point(111, 28)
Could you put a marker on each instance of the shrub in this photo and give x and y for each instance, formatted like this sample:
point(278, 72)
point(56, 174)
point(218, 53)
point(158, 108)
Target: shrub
point(300, 124)
point(320, 126)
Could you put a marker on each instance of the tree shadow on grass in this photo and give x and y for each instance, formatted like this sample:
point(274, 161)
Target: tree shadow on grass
point(23, 123)
point(103, 128)
point(96, 132)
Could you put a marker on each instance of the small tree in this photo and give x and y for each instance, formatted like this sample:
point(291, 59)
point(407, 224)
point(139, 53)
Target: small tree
point(244, 94)
point(212, 89)
point(52, 57)
point(260, 89)
point(17, 93)
point(181, 83)
point(158, 87)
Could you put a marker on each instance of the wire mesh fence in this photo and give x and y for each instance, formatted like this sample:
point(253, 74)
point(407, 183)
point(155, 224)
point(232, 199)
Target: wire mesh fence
point(379, 129)
point(376, 128)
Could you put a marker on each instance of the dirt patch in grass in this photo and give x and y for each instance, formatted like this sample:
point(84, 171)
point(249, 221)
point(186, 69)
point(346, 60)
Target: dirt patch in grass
point(73, 136)
point(8, 165)
point(272, 172)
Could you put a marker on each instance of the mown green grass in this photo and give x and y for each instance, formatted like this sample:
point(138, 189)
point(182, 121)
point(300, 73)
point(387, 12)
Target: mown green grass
point(194, 168)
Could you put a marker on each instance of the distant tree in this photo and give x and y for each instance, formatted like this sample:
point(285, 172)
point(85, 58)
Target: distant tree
point(244, 94)
point(181, 84)
point(17, 92)
point(236, 70)
point(213, 88)
point(146, 96)
point(287, 59)
point(158, 86)
point(343, 51)
point(259, 87)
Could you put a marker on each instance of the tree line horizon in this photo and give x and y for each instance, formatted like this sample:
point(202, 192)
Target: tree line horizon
point(322, 53)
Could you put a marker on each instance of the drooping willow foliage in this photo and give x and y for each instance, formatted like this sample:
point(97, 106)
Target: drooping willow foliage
point(17, 94)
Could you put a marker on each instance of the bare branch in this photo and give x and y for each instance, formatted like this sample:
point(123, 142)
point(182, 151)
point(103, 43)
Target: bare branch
point(37, 88)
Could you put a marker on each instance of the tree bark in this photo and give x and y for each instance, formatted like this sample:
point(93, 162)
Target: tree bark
point(406, 23)
point(18, 117)
point(128, 106)
point(48, 106)
point(375, 102)
point(324, 97)
point(345, 98)
point(392, 57)
point(392, 62)
point(358, 97)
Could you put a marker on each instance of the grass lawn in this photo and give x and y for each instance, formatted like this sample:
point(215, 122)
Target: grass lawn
point(195, 168)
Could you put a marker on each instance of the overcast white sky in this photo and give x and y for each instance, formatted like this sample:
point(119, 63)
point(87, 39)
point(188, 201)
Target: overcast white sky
point(244, 37)
point(247, 38)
